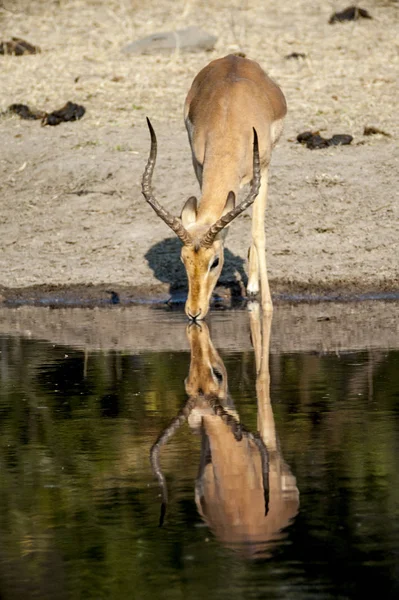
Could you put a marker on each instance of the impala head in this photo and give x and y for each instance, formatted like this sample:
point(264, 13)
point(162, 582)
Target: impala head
point(206, 386)
point(203, 259)
point(202, 251)
point(207, 375)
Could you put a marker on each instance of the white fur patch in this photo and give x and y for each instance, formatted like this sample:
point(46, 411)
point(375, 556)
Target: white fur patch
point(253, 287)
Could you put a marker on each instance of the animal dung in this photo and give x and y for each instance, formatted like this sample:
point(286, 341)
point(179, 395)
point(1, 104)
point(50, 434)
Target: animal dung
point(23, 111)
point(369, 130)
point(352, 13)
point(314, 141)
point(69, 112)
point(296, 55)
point(18, 47)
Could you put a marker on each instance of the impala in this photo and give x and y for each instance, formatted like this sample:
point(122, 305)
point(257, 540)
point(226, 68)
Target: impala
point(234, 116)
point(245, 491)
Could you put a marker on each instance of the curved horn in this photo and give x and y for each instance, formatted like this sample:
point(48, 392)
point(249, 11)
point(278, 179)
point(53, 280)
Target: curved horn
point(264, 456)
point(212, 232)
point(146, 188)
point(163, 438)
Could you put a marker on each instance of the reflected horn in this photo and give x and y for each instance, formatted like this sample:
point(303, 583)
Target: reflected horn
point(165, 436)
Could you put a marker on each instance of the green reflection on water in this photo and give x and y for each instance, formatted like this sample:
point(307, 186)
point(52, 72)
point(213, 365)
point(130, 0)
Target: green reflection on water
point(79, 506)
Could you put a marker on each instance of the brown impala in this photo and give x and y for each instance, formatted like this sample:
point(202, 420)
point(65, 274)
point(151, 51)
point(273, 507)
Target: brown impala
point(245, 491)
point(234, 116)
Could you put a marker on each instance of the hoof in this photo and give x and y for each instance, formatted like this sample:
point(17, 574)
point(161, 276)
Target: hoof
point(252, 290)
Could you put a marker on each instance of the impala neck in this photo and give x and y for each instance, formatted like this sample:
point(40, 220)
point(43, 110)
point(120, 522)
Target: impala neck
point(220, 176)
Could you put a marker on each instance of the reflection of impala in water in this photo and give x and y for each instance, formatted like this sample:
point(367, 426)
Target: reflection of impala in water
point(244, 491)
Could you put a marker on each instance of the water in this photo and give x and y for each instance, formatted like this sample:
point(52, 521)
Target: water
point(80, 505)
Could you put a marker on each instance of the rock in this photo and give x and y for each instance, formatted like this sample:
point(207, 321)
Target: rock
point(191, 39)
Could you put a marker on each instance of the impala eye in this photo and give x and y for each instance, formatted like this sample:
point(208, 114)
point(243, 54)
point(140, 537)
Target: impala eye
point(217, 374)
point(215, 263)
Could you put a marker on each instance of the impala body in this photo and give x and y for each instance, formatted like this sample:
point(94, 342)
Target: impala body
point(234, 115)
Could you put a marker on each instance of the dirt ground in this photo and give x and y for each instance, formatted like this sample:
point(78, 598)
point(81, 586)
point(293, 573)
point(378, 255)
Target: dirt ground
point(71, 211)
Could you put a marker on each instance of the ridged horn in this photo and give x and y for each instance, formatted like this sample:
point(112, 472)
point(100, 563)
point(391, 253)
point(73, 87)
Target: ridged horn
point(146, 187)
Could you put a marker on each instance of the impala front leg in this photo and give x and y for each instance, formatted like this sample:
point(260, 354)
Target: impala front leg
point(257, 252)
point(253, 272)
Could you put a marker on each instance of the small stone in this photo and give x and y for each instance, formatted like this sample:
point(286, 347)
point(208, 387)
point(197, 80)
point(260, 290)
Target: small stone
point(191, 39)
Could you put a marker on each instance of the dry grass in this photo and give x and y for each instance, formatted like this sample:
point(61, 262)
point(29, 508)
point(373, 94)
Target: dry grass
point(348, 79)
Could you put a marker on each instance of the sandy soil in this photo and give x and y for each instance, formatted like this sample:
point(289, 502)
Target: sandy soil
point(71, 209)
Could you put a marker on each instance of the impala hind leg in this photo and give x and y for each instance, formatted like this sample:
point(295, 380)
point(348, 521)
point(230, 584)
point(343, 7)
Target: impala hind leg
point(257, 252)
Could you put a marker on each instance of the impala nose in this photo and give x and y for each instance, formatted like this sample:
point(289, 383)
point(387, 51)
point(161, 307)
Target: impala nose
point(191, 315)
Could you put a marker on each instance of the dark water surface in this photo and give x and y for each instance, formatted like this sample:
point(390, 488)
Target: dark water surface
point(80, 506)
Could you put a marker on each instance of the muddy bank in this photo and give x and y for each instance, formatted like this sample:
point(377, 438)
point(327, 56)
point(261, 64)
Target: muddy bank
point(232, 295)
point(320, 327)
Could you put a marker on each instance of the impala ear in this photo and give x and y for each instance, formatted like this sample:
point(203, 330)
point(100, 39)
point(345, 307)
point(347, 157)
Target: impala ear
point(189, 212)
point(230, 203)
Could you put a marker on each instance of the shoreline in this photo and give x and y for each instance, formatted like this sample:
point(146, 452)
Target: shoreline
point(225, 297)
point(318, 327)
